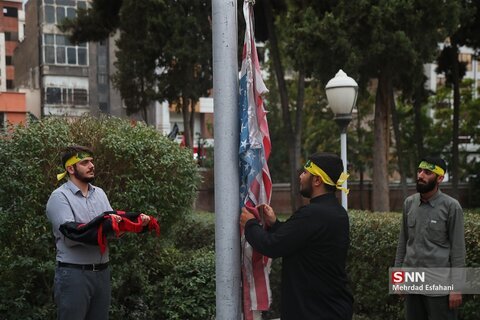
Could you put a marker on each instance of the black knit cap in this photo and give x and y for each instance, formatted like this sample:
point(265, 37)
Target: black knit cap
point(436, 161)
point(328, 162)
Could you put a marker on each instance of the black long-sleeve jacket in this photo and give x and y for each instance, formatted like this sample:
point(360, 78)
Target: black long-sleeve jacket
point(313, 243)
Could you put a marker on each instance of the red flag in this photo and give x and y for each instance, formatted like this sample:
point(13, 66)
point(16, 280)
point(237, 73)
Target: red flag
point(256, 184)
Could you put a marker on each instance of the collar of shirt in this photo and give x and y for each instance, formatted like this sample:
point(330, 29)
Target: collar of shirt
point(323, 197)
point(432, 201)
point(72, 187)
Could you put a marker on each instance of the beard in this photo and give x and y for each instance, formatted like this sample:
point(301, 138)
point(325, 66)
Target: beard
point(426, 187)
point(81, 177)
point(307, 191)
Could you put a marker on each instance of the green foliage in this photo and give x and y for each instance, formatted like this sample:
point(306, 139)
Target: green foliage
point(164, 48)
point(189, 291)
point(138, 168)
point(193, 232)
point(373, 243)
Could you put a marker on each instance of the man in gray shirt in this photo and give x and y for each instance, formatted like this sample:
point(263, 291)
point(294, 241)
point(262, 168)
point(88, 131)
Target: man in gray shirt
point(432, 235)
point(82, 288)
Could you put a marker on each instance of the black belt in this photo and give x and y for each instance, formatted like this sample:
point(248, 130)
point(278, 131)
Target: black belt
point(88, 267)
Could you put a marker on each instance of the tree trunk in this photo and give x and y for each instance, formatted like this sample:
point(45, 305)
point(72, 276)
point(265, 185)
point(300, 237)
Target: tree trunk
point(284, 102)
point(417, 109)
point(360, 139)
point(456, 119)
point(399, 145)
point(380, 191)
point(187, 135)
point(296, 198)
point(192, 103)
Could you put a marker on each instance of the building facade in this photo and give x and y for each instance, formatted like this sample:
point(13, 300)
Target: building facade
point(12, 104)
point(60, 78)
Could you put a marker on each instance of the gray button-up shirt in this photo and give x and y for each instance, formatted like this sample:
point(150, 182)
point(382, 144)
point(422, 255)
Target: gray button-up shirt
point(67, 204)
point(432, 233)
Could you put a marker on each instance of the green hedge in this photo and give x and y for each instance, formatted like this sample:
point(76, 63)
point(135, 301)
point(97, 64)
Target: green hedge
point(140, 170)
point(373, 244)
point(168, 278)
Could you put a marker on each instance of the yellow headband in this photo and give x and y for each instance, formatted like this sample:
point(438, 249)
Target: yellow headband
point(70, 162)
point(432, 167)
point(317, 171)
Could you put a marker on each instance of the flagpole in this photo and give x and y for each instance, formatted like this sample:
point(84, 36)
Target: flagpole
point(226, 135)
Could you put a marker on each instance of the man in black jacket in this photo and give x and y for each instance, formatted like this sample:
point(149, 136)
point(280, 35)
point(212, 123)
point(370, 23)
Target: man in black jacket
point(313, 243)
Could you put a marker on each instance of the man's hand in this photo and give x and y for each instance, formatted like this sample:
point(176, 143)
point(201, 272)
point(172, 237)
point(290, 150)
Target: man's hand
point(454, 300)
point(116, 217)
point(145, 219)
point(245, 216)
point(268, 214)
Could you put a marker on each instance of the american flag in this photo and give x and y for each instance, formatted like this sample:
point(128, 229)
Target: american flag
point(255, 182)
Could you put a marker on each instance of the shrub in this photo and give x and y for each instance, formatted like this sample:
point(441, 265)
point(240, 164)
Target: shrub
point(193, 231)
point(189, 291)
point(373, 243)
point(138, 168)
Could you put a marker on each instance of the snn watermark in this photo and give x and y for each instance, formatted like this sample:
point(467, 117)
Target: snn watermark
point(434, 281)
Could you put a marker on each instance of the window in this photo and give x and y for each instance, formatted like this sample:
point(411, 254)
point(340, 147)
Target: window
point(102, 78)
point(2, 121)
point(53, 96)
point(56, 11)
point(49, 14)
point(66, 96)
point(10, 85)
point(11, 36)
point(10, 12)
point(58, 50)
point(80, 96)
point(8, 60)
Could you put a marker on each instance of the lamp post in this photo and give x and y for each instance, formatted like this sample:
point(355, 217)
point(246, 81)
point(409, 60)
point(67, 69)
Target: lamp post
point(342, 95)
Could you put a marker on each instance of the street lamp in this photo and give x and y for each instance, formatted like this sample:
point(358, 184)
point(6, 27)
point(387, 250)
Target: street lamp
point(342, 95)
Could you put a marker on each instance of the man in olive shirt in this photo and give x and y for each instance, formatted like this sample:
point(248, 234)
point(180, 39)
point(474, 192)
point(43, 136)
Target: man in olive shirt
point(313, 243)
point(431, 236)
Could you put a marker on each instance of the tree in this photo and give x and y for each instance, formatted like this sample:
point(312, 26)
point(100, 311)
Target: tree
point(292, 32)
point(164, 50)
point(390, 39)
point(448, 63)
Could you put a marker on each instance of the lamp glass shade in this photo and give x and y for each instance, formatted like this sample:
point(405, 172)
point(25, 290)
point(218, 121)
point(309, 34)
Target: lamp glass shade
point(341, 93)
point(341, 100)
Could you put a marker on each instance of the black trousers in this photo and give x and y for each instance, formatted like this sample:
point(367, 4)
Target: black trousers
point(420, 307)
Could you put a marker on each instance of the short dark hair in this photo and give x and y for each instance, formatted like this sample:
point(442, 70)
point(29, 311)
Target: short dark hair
point(436, 161)
point(70, 151)
point(331, 164)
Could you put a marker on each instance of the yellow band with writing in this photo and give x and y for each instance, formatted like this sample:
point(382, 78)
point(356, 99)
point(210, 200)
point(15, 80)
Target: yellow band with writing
point(317, 171)
point(70, 162)
point(432, 167)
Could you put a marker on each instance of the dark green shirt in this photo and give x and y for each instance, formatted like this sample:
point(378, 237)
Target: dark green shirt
point(432, 233)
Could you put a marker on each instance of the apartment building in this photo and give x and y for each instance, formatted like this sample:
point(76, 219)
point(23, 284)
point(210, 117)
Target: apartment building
point(60, 78)
point(12, 104)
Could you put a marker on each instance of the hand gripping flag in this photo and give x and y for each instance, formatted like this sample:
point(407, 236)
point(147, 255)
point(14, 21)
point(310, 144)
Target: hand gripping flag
point(255, 182)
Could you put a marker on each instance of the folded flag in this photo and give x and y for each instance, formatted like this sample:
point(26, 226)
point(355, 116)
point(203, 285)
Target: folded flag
point(95, 232)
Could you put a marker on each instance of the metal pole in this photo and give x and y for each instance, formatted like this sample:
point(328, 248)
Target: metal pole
point(227, 193)
point(343, 146)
